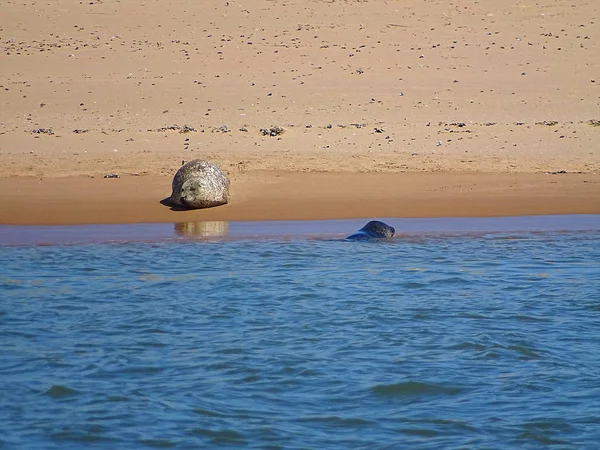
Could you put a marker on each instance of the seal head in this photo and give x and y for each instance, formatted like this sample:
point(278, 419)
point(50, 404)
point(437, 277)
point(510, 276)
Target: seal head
point(375, 229)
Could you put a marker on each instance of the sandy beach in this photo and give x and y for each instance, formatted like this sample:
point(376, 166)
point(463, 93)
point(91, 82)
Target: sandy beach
point(388, 109)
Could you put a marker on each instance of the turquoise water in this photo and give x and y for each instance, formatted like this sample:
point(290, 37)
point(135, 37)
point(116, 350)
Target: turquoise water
point(440, 339)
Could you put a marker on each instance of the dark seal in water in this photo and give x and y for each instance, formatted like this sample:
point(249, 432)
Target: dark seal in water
point(375, 229)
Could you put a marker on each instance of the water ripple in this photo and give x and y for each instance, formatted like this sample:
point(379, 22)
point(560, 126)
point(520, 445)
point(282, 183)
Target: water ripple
point(414, 388)
point(454, 341)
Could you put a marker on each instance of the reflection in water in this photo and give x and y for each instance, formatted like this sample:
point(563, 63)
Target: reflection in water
point(209, 228)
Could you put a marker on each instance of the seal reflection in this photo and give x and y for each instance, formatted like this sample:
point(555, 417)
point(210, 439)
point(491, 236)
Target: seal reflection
point(202, 229)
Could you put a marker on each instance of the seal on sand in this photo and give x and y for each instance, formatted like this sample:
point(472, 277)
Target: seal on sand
point(200, 184)
point(373, 230)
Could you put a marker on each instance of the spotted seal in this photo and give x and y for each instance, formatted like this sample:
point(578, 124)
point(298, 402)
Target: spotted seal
point(200, 184)
point(375, 229)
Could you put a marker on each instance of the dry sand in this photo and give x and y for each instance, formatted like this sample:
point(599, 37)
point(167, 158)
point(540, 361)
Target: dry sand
point(389, 108)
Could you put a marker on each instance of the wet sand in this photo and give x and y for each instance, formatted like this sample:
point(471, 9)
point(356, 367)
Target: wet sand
point(387, 109)
point(301, 196)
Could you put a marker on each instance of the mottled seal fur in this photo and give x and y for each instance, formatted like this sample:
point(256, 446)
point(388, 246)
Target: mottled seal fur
point(200, 184)
point(375, 229)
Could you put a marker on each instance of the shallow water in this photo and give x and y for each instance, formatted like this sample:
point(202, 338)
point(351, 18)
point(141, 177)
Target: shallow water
point(434, 340)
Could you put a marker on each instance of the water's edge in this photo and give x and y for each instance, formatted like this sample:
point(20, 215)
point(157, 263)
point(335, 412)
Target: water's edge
point(332, 229)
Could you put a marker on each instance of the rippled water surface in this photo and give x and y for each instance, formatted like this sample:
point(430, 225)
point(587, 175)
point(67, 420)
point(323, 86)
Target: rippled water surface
point(460, 340)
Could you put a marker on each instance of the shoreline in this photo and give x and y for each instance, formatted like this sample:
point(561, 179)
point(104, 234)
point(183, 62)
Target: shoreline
point(220, 231)
point(277, 195)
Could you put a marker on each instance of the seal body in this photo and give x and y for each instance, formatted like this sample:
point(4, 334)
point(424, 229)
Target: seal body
point(200, 184)
point(375, 229)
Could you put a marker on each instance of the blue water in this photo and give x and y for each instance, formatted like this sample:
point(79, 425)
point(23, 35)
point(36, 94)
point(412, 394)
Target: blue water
point(434, 340)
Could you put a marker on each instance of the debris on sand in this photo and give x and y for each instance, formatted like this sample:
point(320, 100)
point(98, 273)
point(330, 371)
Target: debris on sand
point(48, 131)
point(272, 131)
point(187, 129)
point(222, 129)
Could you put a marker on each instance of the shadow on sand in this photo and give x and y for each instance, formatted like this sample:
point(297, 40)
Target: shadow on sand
point(167, 202)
